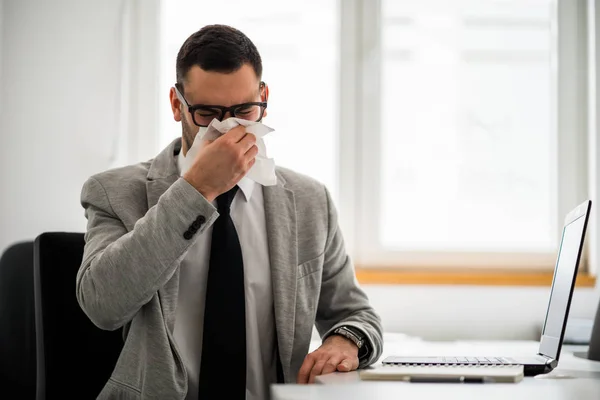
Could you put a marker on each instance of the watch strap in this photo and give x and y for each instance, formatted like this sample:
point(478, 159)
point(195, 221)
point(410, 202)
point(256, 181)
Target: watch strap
point(356, 336)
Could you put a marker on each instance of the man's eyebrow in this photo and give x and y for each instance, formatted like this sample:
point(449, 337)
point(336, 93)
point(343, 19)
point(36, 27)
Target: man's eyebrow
point(249, 99)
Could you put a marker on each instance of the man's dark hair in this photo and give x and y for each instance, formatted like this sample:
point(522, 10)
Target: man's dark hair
point(218, 48)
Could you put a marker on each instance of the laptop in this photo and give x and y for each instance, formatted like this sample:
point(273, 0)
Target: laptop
point(563, 283)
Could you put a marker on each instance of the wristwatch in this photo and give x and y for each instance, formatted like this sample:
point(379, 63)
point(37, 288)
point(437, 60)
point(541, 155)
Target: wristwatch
point(357, 337)
point(352, 334)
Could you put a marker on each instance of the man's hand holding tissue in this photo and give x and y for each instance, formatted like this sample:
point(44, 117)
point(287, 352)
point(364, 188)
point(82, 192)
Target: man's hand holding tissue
point(335, 354)
point(221, 163)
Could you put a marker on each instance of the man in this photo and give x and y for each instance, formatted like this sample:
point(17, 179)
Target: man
point(216, 280)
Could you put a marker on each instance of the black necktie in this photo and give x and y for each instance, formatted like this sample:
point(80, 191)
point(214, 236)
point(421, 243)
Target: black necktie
point(224, 332)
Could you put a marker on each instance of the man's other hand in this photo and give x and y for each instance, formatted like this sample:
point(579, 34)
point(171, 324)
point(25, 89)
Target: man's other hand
point(335, 354)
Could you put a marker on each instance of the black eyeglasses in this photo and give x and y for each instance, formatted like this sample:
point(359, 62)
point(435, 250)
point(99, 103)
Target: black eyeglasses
point(203, 114)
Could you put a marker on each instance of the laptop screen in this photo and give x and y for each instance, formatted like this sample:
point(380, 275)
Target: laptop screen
point(562, 285)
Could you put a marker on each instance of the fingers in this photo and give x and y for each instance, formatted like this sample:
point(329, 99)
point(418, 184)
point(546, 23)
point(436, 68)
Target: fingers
point(325, 365)
point(322, 363)
point(331, 365)
point(348, 364)
point(252, 152)
point(236, 134)
point(247, 142)
point(306, 368)
point(250, 163)
point(316, 370)
point(250, 157)
point(245, 161)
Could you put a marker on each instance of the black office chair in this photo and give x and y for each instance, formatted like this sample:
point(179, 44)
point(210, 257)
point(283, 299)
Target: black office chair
point(594, 349)
point(75, 358)
point(17, 322)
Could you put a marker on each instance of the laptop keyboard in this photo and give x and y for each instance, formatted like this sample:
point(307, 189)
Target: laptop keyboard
point(450, 361)
point(478, 360)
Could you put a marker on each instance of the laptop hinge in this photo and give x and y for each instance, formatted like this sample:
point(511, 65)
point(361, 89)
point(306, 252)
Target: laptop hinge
point(547, 358)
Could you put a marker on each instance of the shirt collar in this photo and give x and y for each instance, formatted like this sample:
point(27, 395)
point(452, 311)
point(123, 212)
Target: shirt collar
point(245, 184)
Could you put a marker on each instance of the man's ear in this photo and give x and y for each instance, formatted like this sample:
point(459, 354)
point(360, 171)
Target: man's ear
point(265, 97)
point(175, 105)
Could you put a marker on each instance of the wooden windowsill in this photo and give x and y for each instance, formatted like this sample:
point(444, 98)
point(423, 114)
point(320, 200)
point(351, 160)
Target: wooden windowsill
point(390, 276)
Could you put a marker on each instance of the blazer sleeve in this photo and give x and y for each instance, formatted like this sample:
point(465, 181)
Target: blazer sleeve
point(121, 270)
point(342, 301)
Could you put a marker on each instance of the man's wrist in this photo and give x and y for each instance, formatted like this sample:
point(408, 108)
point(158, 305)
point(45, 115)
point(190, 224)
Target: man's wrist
point(209, 196)
point(350, 335)
point(337, 339)
point(355, 336)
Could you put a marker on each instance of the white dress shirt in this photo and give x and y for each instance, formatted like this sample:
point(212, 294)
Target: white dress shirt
point(248, 215)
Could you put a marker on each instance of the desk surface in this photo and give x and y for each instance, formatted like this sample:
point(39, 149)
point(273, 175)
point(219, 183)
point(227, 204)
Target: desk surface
point(575, 378)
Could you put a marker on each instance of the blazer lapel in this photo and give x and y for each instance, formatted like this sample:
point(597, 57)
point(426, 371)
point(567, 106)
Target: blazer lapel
point(162, 173)
point(280, 215)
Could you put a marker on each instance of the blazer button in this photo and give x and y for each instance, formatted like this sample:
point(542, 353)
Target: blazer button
point(198, 222)
point(188, 235)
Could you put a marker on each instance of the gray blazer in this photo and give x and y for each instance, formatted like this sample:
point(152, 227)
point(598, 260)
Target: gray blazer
point(129, 275)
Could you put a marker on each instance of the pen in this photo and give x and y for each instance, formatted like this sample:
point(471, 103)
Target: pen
point(457, 379)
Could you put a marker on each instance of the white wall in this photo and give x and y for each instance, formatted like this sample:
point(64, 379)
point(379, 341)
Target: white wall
point(1, 41)
point(470, 312)
point(2, 196)
point(61, 72)
point(59, 115)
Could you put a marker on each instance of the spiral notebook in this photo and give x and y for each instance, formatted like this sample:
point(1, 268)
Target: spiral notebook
point(444, 373)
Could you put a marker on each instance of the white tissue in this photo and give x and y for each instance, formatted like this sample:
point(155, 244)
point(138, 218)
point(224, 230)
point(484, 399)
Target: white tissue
point(263, 170)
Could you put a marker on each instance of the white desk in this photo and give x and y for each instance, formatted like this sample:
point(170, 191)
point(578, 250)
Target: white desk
point(575, 378)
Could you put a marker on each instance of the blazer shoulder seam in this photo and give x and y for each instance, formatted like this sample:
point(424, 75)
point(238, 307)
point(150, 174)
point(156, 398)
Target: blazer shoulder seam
point(106, 195)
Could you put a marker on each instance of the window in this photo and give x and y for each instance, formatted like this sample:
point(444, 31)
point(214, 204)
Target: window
point(436, 124)
point(466, 126)
point(462, 166)
point(298, 45)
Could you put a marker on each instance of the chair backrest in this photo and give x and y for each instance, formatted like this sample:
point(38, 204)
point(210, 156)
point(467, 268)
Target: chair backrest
point(74, 355)
point(17, 321)
point(594, 349)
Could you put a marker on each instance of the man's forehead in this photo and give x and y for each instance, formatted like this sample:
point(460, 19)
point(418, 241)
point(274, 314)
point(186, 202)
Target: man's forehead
point(210, 87)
